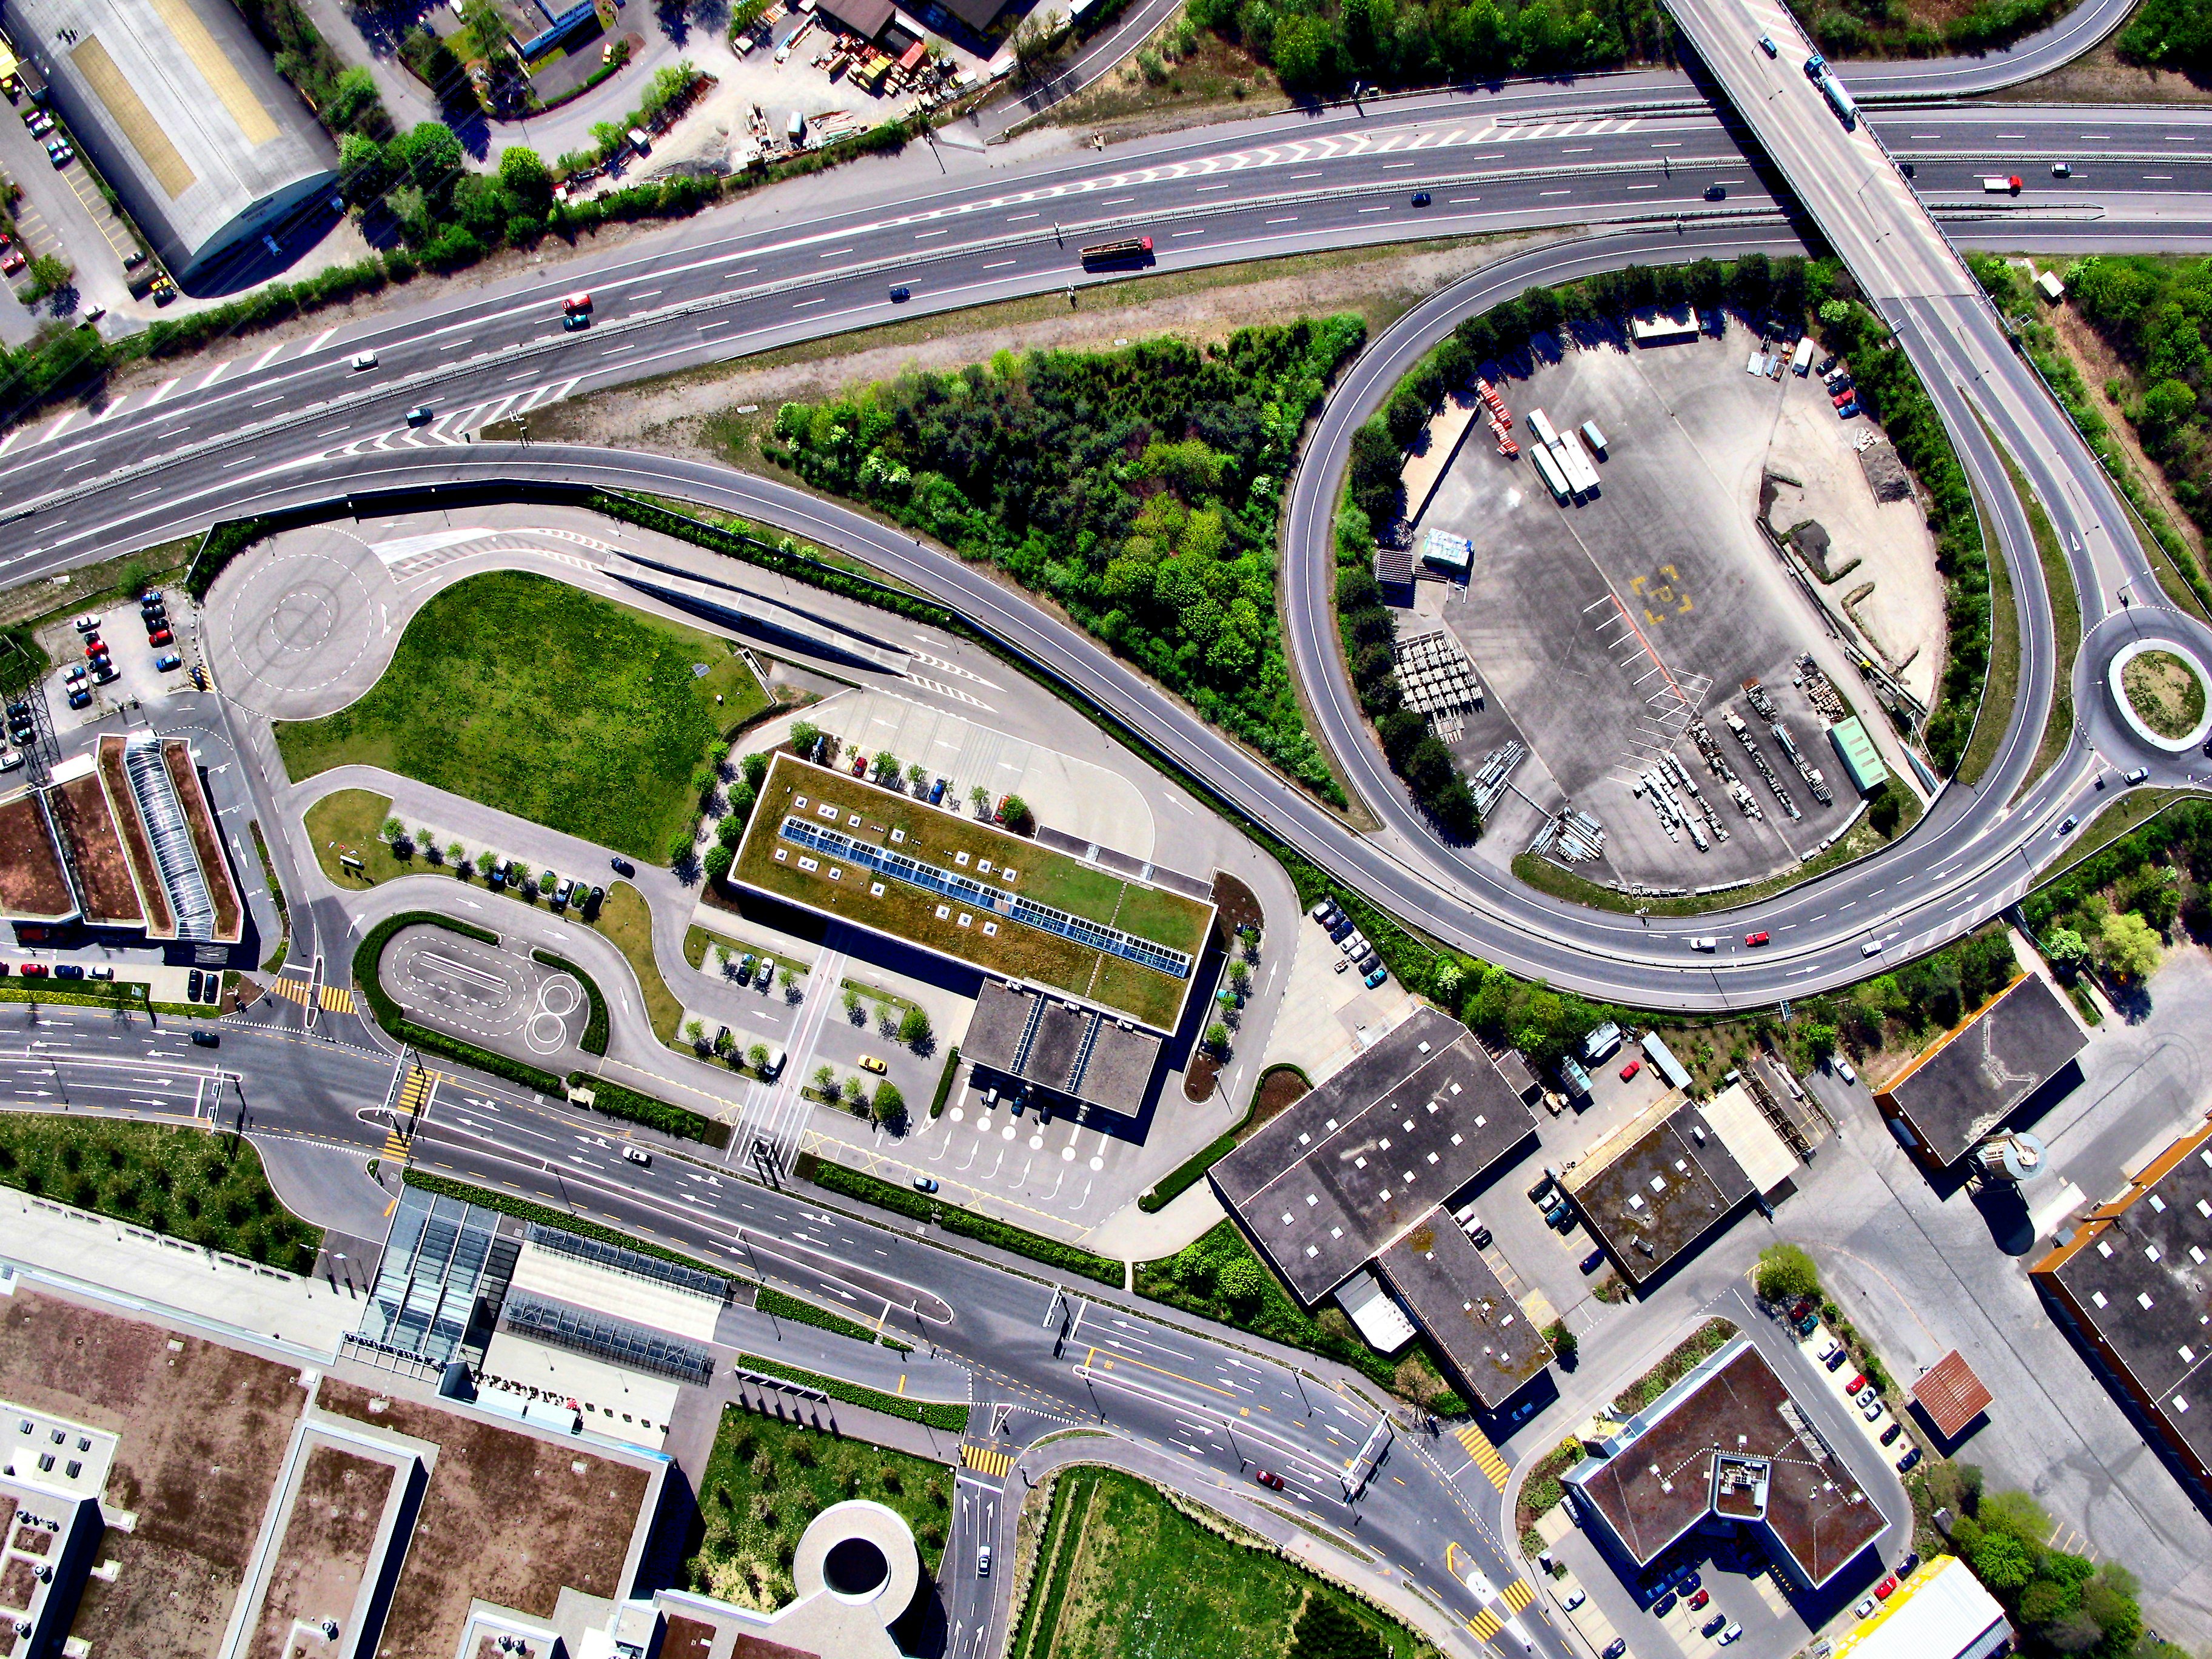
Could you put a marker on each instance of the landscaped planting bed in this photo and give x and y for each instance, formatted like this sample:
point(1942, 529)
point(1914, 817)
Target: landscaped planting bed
point(538, 699)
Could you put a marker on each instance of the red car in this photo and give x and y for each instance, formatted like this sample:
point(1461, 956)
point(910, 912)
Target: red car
point(92, 645)
point(33, 971)
point(160, 637)
point(860, 764)
point(1755, 938)
point(1857, 1383)
point(1631, 1069)
point(1881, 1590)
point(1699, 1599)
point(1843, 398)
point(1270, 1479)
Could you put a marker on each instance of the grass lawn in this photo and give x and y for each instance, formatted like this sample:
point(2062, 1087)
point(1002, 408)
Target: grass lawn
point(896, 823)
point(1122, 1572)
point(766, 1480)
point(543, 701)
point(627, 921)
point(2002, 685)
point(205, 1187)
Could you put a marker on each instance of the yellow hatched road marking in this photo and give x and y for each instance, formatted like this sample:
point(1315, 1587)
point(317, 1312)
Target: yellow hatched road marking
point(1518, 1595)
point(993, 1460)
point(1485, 1454)
point(336, 999)
point(1486, 1624)
point(297, 990)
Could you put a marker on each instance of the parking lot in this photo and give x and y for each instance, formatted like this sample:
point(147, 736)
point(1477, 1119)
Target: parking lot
point(1601, 631)
point(131, 654)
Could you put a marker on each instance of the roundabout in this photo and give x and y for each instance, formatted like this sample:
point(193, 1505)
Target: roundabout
point(2158, 687)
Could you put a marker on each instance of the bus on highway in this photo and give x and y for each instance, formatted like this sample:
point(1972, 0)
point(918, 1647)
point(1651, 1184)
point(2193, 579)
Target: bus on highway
point(1129, 250)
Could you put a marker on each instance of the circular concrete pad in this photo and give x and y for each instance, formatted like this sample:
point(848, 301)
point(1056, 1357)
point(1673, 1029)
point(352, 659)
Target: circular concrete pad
point(303, 625)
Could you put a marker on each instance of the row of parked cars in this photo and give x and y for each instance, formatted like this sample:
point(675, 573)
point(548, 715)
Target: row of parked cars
point(1350, 942)
point(62, 970)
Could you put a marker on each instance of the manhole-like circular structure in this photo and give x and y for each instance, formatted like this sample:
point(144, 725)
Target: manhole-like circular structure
point(855, 1567)
point(2164, 674)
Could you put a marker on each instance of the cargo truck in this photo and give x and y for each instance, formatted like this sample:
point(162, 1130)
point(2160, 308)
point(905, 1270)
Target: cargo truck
point(1540, 425)
point(1129, 250)
point(2007, 186)
point(1594, 438)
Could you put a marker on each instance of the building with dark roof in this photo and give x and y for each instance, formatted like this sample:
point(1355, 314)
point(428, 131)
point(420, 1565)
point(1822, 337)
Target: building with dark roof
point(185, 115)
point(1971, 1079)
point(2131, 1282)
point(1951, 1395)
point(1476, 1324)
point(1726, 1448)
point(866, 18)
point(1029, 1040)
point(1656, 1186)
point(1342, 1175)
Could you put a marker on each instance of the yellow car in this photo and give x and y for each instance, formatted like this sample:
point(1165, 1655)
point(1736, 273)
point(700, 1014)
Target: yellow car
point(870, 1063)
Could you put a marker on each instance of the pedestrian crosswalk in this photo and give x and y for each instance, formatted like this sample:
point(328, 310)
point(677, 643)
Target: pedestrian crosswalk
point(394, 1147)
point(336, 999)
point(414, 1091)
point(297, 990)
point(1485, 1454)
point(1486, 1624)
point(994, 1460)
point(1518, 1595)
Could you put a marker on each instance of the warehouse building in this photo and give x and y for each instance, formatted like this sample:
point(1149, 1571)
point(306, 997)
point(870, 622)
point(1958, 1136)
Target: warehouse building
point(1483, 1332)
point(2131, 1282)
point(1939, 1612)
point(1351, 1168)
point(1657, 1186)
point(1725, 1449)
point(185, 115)
point(1970, 1081)
point(1862, 764)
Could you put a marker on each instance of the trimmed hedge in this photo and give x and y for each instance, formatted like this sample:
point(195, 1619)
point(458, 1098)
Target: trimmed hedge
point(945, 1081)
point(524, 1210)
point(919, 1207)
point(618, 1101)
point(594, 1039)
point(1189, 1173)
point(935, 1414)
point(394, 1019)
point(778, 1305)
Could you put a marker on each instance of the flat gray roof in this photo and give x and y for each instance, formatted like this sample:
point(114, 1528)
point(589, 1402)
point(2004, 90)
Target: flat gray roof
point(1967, 1081)
point(185, 115)
point(1474, 1319)
point(1341, 1174)
point(1075, 1052)
point(1657, 1189)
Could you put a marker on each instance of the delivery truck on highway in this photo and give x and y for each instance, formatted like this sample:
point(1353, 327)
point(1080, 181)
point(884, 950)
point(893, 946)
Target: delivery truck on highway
point(1129, 250)
point(1840, 102)
point(2006, 187)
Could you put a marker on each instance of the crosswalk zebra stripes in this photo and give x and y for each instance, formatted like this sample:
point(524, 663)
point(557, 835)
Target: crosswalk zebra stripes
point(1485, 1454)
point(994, 1460)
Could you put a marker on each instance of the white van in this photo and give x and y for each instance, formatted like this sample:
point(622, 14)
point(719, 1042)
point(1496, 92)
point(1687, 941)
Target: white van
point(775, 1067)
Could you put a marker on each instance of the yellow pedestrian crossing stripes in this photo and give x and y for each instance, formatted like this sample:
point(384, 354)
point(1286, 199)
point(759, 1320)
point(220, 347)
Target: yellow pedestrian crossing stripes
point(297, 989)
point(1518, 1595)
point(1486, 1624)
point(993, 1460)
point(336, 999)
point(394, 1147)
point(1485, 1454)
point(414, 1092)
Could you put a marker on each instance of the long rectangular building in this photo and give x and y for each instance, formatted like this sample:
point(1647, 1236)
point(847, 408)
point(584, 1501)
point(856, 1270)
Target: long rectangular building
point(1347, 1171)
point(1971, 1079)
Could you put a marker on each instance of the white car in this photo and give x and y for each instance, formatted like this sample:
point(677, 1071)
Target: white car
point(100, 970)
point(87, 624)
point(1871, 948)
point(1705, 942)
point(364, 360)
point(1574, 1600)
point(1730, 1634)
point(1844, 1070)
point(637, 1155)
point(983, 1562)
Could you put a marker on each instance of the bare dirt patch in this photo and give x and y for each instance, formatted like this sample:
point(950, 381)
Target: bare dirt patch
point(336, 1511)
point(668, 415)
point(1280, 1089)
point(2099, 77)
point(31, 879)
point(508, 1518)
point(202, 1432)
point(1154, 92)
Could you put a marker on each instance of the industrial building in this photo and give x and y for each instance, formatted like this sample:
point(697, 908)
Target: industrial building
point(1726, 1449)
point(1862, 764)
point(1058, 1052)
point(1939, 1612)
point(185, 115)
point(1659, 1183)
point(122, 839)
point(1352, 1167)
point(1969, 1081)
point(2130, 1282)
point(1951, 1396)
point(1484, 1335)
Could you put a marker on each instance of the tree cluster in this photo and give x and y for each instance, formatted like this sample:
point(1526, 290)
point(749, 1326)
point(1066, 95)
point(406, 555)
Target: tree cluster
point(346, 100)
point(1137, 488)
point(2062, 1603)
point(2155, 314)
point(1884, 28)
point(1325, 45)
point(1933, 993)
point(2115, 908)
point(1415, 753)
point(2174, 35)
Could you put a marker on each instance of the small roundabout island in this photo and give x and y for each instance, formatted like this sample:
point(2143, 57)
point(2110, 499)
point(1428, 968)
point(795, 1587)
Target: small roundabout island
point(2159, 687)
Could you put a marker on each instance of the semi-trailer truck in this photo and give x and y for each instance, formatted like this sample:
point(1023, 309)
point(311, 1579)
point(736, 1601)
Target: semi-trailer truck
point(1129, 250)
point(1840, 102)
point(1552, 476)
point(1540, 425)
